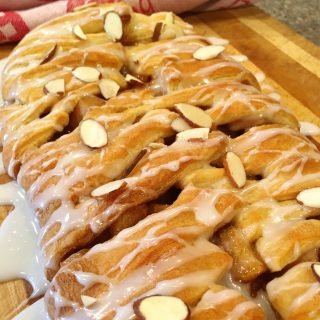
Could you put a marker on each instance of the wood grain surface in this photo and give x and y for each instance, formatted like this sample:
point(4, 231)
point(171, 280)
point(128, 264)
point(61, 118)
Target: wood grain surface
point(290, 62)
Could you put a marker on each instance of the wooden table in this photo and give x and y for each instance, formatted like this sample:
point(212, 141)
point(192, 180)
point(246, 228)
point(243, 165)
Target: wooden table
point(290, 62)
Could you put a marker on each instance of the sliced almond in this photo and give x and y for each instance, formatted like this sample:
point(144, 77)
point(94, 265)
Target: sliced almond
point(108, 88)
point(310, 197)
point(133, 80)
point(180, 125)
point(49, 54)
point(169, 19)
point(170, 308)
point(316, 270)
point(54, 87)
point(113, 25)
point(208, 52)
point(235, 169)
point(157, 31)
point(93, 134)
point(309, 129)
point(87, 74)
point(198, 133)
point(87, 300)
point(108, 188)
point(77, 30)
point(195, 116)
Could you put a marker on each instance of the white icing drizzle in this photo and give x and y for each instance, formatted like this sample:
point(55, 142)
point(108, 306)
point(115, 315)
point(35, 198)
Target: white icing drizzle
point(21, 256)
point(2, 169)
point(261, 299)
point(239, 57)
point(208, 217)
point(37, 311)
point(211, 300)
point(296, 286)
point(274, 95)
point(260, 76)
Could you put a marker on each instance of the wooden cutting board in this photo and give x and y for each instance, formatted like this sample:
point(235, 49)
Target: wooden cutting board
point(290, 62)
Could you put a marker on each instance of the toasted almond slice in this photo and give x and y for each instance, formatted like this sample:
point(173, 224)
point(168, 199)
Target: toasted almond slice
point(108, 188)
point(309, 129)
point(170, 308)
point(87, 300)
point(108, 88)
point(310, 197)
point(77, 30)
point(133, 80)
point(316, 270)
point(208, 52)
point(113, 25)
point(54, 87)
point(195, 116)
point(198, 133)
point(235, 170)
point(85, 6)
point(169, 19)
point(157, 31)
point(180, 125)
point(93, 134)
point(87, 74)
point(49, 54)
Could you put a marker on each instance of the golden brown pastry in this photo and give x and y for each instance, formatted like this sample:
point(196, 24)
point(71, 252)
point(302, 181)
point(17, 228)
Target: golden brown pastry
point(156, 166)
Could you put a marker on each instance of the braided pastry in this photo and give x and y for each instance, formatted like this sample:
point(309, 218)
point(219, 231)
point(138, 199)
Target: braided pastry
point(155, 166)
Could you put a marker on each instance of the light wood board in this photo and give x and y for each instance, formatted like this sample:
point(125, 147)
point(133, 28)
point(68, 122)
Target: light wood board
point(290, 62)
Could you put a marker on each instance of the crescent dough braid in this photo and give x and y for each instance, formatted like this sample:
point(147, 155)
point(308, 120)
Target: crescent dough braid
point(167, 253)
point(172, 67)
point(296, 294)
point(71, 172)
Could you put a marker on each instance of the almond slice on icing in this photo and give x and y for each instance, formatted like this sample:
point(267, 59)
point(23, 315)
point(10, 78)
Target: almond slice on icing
point(157, 31)
point(87, 300)
point(133, 80)
point(77, 30)
point(195, 116)
point(180, 125)
point(87, 74)
point(108, 88)
point(310, 197)
point(113, 25)
point(49, 54)
point(93, 134)
point(309, 129)
point(208, 52)
point(235, 169)
point(170, 308)
point(316, 270)
point(108, 188)
point(198, 133)
point(54, 87)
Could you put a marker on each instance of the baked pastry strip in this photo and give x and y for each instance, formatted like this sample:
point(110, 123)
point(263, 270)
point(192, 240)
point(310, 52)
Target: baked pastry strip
point(166, 253)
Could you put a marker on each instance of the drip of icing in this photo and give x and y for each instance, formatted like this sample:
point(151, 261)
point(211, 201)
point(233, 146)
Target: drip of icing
point(21, 257)
point(37, 311)
point(239, 57)
point(275, 96)
point(260, 76)
point(218, 41)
